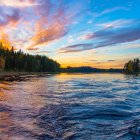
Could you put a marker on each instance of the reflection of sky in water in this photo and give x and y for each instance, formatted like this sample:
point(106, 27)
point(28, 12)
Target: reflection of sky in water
point(80, 106)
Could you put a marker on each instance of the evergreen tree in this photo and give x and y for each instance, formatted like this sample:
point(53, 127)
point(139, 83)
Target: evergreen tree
point(19, 61)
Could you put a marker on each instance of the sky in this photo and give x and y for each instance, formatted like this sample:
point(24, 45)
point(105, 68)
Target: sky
point(96, 33)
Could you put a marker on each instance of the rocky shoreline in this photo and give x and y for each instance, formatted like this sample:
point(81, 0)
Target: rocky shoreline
point(10, 77)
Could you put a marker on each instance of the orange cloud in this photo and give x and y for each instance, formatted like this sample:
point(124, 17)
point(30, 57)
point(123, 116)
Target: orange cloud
point(50, 27)
point(54, 32)
point(32, 49)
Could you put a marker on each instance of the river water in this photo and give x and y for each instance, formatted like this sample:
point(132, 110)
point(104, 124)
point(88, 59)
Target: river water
point(71, 107)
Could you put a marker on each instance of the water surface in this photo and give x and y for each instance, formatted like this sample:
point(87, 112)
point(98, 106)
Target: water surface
point(71, 107)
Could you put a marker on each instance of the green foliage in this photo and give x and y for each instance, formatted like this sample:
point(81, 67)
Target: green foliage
point(132, 67)
point(19, 61)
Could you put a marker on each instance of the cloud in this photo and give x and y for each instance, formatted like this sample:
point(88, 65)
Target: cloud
point(90, 22)
point(102, 33)
point(111, 60)
point(54, 21)
point(87, 36)
point(106, 11)
point(132, 46)
point(107, 38)
point(109, 10)
point(51, 26)
point(71, 39)
point(43, 52)
point(17, 3)
point(121, 36)
point(117, 23)
point(48, 21)
point(32, 49)
point(110, 28)
point(75, 48)
point(9, 15)
point(53, 32)
point(93, 60)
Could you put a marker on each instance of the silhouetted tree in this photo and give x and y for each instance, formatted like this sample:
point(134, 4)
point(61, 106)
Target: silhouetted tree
point(11, 60)
point(132, 66)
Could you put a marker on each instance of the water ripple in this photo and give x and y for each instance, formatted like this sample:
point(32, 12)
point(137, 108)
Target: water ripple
point(71, 107)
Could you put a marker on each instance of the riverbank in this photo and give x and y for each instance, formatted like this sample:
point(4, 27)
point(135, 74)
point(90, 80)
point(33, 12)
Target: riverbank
point(20, 76)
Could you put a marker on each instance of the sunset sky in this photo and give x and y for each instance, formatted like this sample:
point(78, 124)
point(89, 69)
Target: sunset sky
point(97, 33)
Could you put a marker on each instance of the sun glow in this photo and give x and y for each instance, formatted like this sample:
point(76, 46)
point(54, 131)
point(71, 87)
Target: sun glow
point(4, 39)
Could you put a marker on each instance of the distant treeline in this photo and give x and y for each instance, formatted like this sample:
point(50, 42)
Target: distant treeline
point(11, 60)
point(132, 66)
point(87, 69)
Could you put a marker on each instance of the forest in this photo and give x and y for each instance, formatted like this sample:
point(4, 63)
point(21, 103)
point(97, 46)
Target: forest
point(132, 66)
point(18, 61)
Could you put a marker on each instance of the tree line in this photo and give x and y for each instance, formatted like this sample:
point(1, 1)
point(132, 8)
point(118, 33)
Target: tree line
point(132, 66)
point(88, 69)
point(11, 60)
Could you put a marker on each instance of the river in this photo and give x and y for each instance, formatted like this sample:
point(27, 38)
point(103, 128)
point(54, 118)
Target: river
point(71, 107)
